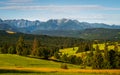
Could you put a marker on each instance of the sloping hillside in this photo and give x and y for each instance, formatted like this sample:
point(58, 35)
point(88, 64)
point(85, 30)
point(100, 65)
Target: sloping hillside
point(8, 60)
point(101, 33)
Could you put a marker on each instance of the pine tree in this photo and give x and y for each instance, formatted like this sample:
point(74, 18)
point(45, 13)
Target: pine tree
point(20, 46)
point(56, 55)
point(117, 57)
point(106, 64)
point(64, 58)
point(116, 48)
point(97, 59)
point(112, 56)
point(11, 50)
point(35, 47)
point(89, 58)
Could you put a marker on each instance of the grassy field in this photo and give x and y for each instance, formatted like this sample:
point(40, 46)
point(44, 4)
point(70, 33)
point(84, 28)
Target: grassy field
point(71, 51)
point(54, 74)
point(19, 65)
point(51, 71)
point(102, 46)
point(8, 60)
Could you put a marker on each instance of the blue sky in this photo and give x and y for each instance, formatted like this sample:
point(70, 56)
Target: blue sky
point(100, 11)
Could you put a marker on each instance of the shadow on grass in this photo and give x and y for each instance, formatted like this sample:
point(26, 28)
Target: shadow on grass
point(16, 71)
point(55, 60)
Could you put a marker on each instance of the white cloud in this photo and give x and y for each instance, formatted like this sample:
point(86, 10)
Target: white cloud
point(19, 1)
point(59, 8)
point(15, 2)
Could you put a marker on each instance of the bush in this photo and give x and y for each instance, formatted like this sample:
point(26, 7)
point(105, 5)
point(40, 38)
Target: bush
point(64, 66)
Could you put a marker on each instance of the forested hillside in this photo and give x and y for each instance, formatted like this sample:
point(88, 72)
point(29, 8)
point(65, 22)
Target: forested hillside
point(82, 52)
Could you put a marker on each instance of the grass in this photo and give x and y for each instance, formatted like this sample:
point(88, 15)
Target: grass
point(53, 74)
point(19, 65)
point(58, 71)
point(18, 71)
point(9, 60)
point(69, 51)
point(102, 46)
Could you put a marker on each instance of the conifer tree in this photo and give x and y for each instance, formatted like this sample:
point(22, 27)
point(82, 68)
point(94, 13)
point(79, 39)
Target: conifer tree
point(11, 50)
point(97, 59)
point(35, 47)
point(116, 48)
point(20, 46)
point(106, 64)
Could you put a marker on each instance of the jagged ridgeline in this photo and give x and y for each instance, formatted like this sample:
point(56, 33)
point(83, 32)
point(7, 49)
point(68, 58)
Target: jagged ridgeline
point(62, 27)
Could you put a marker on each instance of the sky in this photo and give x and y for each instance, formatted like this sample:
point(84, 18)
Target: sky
point(92, 11)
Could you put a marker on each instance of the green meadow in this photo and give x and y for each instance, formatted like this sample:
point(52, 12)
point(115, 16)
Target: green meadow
point(9, 60)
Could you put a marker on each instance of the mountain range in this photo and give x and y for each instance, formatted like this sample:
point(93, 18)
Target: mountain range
point(56, 27)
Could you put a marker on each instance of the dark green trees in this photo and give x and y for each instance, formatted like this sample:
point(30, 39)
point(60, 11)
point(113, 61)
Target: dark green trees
point(114, 59)
point(11, 50)
point(106, 64)
point(21, 47)
point(97, 59)
point(35, 48)
point(4, 48)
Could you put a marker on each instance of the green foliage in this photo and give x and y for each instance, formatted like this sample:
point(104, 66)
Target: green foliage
point(64, 66)
point(56, 55)
point(4, 48)
point(114, 59)
point(89, 59)
point(72, 59)
point(35, 47)
point(20, 46)
point(84, 46)
point(11, 50)
point(44, 52)
point(78, 60)
point(97, 59)
point(64, 58)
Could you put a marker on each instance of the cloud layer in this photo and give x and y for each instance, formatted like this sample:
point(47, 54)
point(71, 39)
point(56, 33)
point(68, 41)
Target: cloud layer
point(53, 7)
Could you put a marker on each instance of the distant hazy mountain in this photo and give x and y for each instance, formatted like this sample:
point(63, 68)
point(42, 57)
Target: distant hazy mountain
point(37, 26)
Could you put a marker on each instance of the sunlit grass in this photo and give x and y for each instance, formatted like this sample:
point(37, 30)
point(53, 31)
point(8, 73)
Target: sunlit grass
point(9, 60)
point(53, 74)
point(56, 71)
point(69, 51)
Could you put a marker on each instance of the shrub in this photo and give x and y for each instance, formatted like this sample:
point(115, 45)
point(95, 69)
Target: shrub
point(64, 66)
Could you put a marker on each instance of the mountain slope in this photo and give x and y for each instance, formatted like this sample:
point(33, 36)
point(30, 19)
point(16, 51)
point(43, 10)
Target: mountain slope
point(27, 26)
point(62, 27)
point(101, 33)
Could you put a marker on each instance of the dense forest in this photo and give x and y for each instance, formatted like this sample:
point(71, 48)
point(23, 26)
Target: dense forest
point(45, 47)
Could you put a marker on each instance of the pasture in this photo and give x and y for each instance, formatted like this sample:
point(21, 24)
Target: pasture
point(20, 65)
point(9, 60)
point(71, 51)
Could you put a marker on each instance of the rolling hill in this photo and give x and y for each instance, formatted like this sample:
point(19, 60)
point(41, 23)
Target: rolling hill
point(12, 61)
